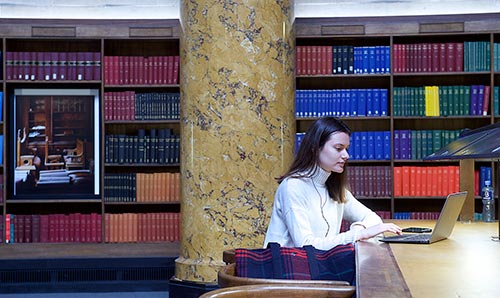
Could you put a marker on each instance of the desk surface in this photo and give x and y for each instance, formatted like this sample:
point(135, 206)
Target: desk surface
point(465, 265)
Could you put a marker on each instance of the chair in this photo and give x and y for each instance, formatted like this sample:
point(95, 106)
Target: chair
point(75, 158)
point(282, 291)
point(227, 278)
point(52, 160)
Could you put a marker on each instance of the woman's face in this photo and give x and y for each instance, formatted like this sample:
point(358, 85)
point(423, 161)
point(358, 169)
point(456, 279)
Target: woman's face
point(333, 155)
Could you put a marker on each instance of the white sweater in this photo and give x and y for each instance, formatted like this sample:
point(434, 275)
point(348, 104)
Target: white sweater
point(297, 219)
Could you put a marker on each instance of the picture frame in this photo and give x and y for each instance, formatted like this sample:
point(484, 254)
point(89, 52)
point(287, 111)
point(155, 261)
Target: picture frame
point(55, 144)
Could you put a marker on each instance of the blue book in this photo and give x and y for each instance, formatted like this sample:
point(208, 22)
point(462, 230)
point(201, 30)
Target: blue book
point(379, 145)
point(397, 137)
point(387, 145)
point(404, 144)
point(361, 102)
point(364, 145)
point(369, 102)
point(370, 148)
point(365, 60)
point(357, 145)
point(354, 102)
point(384, 102)
point(387, 59)
point(376, 102)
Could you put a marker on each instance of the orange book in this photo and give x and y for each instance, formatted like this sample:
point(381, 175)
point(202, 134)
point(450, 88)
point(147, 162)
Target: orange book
point(177, 193)
point(138, 187)
point(418, 182)
point(435, 178)
point(429, 182)
point(447, 177)
point(406, 181)
point(413, 180)
point(398, 181)
point(134, 227)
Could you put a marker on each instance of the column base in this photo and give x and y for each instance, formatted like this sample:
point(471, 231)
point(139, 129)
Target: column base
point(178, 288)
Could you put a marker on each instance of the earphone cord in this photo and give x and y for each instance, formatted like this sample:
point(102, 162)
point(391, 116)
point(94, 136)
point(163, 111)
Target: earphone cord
point(321, 205)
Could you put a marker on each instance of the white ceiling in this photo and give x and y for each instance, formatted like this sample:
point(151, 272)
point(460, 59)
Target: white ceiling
point(169, 9)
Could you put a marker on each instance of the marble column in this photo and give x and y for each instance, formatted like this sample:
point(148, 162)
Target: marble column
point(237, 125)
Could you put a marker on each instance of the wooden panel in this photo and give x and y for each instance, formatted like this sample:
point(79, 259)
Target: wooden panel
point(343, 30)
point(467, 183)
point(151, 32)
point(37, 31)
point(441, 27)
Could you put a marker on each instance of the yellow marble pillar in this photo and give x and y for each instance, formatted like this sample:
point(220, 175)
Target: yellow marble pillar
point(237, 125)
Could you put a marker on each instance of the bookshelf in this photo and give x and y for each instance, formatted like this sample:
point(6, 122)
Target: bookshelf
point(133, 66)
point(440, 69)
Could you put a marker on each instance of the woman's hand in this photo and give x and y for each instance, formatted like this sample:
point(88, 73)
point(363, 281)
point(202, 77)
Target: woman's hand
point(373, 231)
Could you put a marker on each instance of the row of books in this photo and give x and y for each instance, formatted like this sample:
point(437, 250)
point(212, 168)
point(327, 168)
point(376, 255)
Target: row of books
point(74, 227)
point(370, 181)
point(138, 70)
point(370, 145)
point(444, 100)
point(142, 227)
point(341, 102)
point(477, 56)
point(129, 105)
point(324, 60)
point(496, 57)
point(429, 57)
point(417, 144)
point(442, 57)
point(53, 66)
point(426, 181)
point(142, 187)
point(158, 146)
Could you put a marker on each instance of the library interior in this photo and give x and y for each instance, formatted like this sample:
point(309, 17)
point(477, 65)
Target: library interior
point(141, 145)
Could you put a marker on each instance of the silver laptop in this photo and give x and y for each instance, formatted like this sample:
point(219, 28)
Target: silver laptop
point(444, 225)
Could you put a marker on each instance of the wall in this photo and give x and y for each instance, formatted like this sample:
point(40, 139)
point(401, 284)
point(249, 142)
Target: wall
point(169, 9)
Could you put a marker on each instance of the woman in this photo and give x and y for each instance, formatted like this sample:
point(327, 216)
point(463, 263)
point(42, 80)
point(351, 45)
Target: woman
point(312, 198)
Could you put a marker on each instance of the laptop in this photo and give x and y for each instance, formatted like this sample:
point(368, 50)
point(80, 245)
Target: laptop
point(444, 225)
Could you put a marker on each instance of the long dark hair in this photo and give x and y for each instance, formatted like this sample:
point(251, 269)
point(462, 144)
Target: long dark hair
point(306, 160)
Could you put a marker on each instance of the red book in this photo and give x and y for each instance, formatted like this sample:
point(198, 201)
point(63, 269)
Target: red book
point(7, 229)
point(170, 70)
point(44, 228)
point(486, 100)
point(442, 57)
point(141, 71)
point(176, 69)
point(125, 70)
point(435, 57)
point(26, 65)
point(298, 60)
point(406, 182)
point(449, 57)
point(35, 228)
point(459, 56)
point(398, 181)
point(308, 60)
point(413, 181)
point(93, 227)
point(163, 65)
point(425, 57)
point(107, 72)
point(329, 60)
point(156, 70)
point(107, 218)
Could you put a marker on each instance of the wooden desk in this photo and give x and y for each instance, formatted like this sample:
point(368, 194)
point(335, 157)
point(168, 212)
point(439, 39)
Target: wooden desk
point(465, 265)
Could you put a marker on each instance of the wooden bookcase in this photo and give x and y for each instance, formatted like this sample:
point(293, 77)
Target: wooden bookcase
point(86, 45)
point(392, 32)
